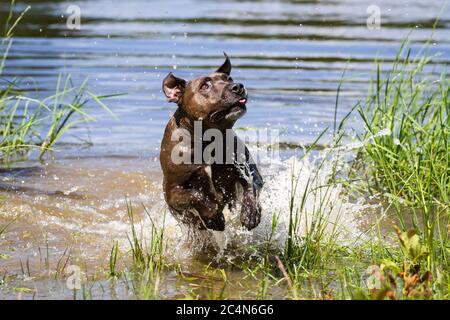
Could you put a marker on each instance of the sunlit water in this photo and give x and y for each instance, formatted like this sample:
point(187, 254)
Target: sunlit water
point(291, 56)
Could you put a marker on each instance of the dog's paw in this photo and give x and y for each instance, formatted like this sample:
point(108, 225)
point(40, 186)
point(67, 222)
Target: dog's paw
point(250, 213)
point(216, 223)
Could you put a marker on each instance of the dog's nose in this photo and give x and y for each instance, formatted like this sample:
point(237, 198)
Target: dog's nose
point(238, 88)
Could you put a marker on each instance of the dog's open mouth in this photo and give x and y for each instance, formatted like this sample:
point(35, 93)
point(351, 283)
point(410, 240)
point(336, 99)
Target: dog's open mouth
point(237, 110)
point(242, 101)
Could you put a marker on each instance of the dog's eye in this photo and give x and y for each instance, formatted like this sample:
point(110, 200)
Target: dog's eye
point(206, 85)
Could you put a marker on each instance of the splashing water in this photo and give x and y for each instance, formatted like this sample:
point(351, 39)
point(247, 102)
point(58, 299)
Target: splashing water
point(301, 185)
point(84, 208)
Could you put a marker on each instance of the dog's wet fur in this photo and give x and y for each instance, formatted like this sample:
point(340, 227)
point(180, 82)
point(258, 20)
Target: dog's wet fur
point(197, 193)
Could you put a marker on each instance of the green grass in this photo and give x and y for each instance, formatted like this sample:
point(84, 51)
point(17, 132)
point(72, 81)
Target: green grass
point(4, 227)
point(410, 166)
point(147, 259)
point(28, 123)
point(404, 160)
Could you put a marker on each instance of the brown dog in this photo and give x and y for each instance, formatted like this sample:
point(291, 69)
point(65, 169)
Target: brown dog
point(197, 190)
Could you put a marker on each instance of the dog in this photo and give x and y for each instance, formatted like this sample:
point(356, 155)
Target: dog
point(197, 192)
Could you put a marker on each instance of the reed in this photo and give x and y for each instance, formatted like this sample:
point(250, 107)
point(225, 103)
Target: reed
point(403, 160)
point(148, 260)
point(407, 162)
point(29, 123)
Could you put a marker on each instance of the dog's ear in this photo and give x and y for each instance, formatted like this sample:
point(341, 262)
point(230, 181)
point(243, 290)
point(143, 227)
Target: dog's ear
point(226, 66)
point(173, 87)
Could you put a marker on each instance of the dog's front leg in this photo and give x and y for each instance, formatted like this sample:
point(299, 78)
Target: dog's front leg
point(251, 209)
point(201, 196)
point(252, 182)
point(183, 200)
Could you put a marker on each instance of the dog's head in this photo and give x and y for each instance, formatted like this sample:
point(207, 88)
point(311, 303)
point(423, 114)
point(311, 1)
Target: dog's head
point(215, 99)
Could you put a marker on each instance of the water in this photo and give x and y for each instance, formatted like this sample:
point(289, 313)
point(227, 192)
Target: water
point(290, 54)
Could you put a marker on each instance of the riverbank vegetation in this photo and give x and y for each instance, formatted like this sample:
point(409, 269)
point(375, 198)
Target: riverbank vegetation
point(28, 123)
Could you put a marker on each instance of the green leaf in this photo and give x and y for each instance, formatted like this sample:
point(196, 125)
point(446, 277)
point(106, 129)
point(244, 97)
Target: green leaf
point(411, 246)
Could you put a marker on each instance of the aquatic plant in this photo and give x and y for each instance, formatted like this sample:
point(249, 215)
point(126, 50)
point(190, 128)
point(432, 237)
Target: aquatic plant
point(409, 165)
point(148, 259)
point(29, 123)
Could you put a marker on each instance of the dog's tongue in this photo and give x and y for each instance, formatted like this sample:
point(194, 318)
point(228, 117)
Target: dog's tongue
point(243, 101)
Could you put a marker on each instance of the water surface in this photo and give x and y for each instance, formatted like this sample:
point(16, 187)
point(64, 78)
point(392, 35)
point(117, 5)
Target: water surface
point(291, 56)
